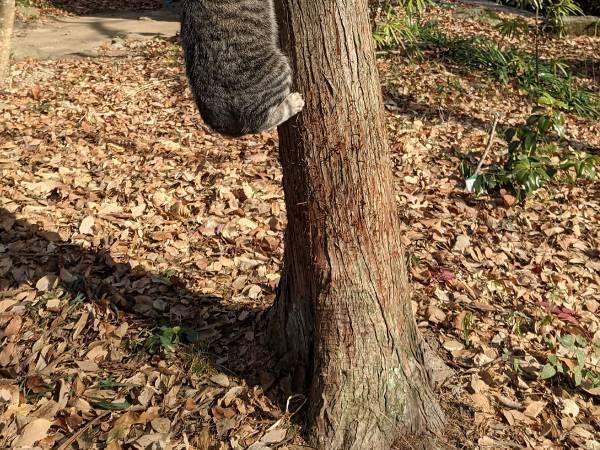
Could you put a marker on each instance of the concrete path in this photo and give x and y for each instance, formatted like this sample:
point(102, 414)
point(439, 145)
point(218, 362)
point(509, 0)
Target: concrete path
point(82, 36)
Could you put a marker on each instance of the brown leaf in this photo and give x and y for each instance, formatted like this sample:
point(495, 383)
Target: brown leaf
point(36, 92)
point(462, 243)
point(6, 304)
point(87, 225)
point(509, 200)
point(452, 345)
point(220, 379)
point(8, 354)
point(53, 305)
point(161, 425)
point(9, 393)
point(435, 314)
point(46, 283)
point(570, 408)
point(13, 327)
point(34, 431)
point(274, 436)
point(534, 408)
point(481, 403)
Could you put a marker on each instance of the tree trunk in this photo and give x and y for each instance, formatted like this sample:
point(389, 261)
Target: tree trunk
point(7, 20)
point(343, 316)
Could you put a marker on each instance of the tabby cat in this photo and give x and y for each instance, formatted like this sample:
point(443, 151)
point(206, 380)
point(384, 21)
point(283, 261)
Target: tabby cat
point(240, 79)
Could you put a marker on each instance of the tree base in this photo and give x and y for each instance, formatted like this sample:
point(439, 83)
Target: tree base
point(370, 403)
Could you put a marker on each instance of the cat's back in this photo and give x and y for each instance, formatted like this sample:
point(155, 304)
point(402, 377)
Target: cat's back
point(236, 69)
point(226, 29)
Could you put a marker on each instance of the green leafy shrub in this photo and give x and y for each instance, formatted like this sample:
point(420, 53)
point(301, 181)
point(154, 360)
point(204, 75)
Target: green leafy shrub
point(394, 31)
point(414, 7)
point(167, 339)
point(554, 12)
point(536, 155)
point(511, 27)
point(571, 361)
point(511, 65)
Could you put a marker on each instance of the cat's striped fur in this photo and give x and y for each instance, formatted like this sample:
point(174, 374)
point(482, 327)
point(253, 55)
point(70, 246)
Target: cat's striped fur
point(240, 79)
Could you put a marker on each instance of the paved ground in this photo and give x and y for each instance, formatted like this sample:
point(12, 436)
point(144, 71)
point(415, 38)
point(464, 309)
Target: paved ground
point(83, 36)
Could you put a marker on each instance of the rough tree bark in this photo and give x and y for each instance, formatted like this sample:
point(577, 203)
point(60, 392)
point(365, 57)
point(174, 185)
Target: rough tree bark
point(343, 317)
point(7, 20)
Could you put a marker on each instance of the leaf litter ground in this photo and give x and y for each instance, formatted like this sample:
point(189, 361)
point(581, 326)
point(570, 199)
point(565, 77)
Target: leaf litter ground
point(139, 253)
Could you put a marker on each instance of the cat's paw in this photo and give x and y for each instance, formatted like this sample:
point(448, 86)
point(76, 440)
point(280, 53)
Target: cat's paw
point(296, 103)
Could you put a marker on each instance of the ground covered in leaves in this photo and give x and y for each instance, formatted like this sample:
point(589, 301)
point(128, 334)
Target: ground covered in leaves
point(139, 253)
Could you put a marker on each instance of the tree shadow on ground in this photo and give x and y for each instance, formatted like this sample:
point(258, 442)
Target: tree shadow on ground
point(233, 334)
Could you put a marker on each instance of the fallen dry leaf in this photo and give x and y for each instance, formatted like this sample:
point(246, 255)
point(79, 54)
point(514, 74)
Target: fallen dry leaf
point(34, 431)
point(87, 225)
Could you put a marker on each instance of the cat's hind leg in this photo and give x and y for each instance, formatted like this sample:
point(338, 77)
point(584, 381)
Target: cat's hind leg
point(291, 106)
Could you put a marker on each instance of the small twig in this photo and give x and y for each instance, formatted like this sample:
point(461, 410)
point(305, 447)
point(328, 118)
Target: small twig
point(79, 432)
point(509, 403)
point(489, 146)
point(389, 52)
point(288, 413)
point(301, 397)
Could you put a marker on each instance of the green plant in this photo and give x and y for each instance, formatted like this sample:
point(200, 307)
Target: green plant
point(536, 155)
point(551, 80)
point(39, 107)
point(496, 288)
point(511, 64)
point(110, 406)
point(393, 31)
point(515, 319)
point(167, 339)
point(515, 362)
point(38, 391)
point(414, 260)
point(169, 276)
point(554, 12)
point(467, 325)
point(512, 27)
point(110, 383)
point(414, 7)
point(199, 360)
point(571, 360)
point(451, 85)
